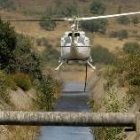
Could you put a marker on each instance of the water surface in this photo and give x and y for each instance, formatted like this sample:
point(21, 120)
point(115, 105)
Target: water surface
point(73, 99)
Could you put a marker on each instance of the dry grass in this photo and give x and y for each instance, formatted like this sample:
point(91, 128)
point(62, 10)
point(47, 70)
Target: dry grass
point(39, 6)
point(74, 72)
point(19, 101)
point(19, 133)
point(112, 44)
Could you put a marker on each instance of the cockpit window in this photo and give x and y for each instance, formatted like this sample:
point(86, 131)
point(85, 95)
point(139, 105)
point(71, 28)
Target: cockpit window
point(75, 34)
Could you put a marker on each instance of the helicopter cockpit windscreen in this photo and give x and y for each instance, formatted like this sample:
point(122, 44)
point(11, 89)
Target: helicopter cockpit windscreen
point(78, 38)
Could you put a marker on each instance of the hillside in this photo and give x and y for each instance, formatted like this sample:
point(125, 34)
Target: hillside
point(105, 46)
point(35, 7)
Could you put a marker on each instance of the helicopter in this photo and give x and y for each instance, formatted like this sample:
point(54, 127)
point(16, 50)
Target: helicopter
point(75, 45)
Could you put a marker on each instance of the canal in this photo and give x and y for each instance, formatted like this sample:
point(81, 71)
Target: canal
point(73, 99)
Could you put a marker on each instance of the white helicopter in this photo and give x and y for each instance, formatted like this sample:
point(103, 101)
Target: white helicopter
point(75, 45)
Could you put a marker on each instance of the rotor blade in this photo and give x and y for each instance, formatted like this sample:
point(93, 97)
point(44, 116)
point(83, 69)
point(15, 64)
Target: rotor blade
point(37, 20)
point(71, 19)
point(107, 16)
point(23, 20)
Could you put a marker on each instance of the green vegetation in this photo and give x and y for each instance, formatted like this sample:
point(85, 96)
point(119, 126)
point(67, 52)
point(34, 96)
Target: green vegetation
point(132, 78)
point(23, 81)
point(131, 48)
point(5, 83)
point(95, 26)
point(122, 88)
point(97, 7)
point(121, 34)
point(47, 92)
point(135, 20)
point(7, 44)
point(126, 20)
point(9, 4)
point(111, 104)
point(65, 9)
point(42, 42)
point(59, 9)
point(50, 56)
point(20, 71)
point(16, 53)
point(25, 59)
point(113, 101)
point(130, 65)
point(24, 67)
point(102, 55)
point(47, 23)
point(123, 20)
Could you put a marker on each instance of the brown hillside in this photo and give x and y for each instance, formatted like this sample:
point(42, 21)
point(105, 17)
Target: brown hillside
point(38, 7)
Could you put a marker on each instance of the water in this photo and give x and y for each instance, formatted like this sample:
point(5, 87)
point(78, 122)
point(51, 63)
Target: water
point(70, 101)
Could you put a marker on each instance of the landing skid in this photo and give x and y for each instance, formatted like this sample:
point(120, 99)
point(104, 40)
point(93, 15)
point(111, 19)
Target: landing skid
point(58, 67)
point(93, 67)
point(61, 63)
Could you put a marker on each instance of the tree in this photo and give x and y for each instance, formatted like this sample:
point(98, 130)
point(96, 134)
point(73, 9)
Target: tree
point(8, 4)
point(66, 9)
point(123, 20)
point(7, 44)
point(95, 26)
point(25, 60)
point(135, 20)
point(50, 55)
point(122, 34)
point(97, 7)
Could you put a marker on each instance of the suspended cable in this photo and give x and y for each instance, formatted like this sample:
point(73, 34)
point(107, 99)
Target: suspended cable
point(86, 78)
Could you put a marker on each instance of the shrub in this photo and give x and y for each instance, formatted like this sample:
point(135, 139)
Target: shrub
point(45, 96)
point(123, 20)
point(23, 81)
point(97, 7)
point(95, 26)
point(16, 53)
point(5, 83)
point(8, 4)
point(48, 88)
point(135, 20)
point(7, 45)
point(50, 56)
point(132, 66)
point(47, 24)
point(122, 34)
point(113, 34)
point(25, 60)
point(42, 42)
point(131, 48)
point(102, 55)
point(66, 9)
point(112, 103)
